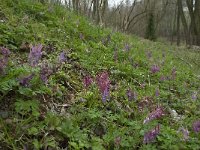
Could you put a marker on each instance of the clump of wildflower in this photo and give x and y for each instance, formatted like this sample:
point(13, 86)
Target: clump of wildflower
point(62, 57)
point(196, 126)
point(106, 40)
point(26, 80)
point(103, 83)
point(185, 133)
point(87, 81)
point(45, 72)
point(81, 36)
point(158, 113)
point(35, 54)
point(5, 52)
point(194, 95)
point(162, 78)
point(151, 135)
point(4, 58)
point(157, 93)
point(131, 95)
point(127, 47)
point(155, 69)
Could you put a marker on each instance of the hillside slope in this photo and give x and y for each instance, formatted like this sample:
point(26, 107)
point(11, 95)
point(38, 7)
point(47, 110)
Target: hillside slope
point(67, 84)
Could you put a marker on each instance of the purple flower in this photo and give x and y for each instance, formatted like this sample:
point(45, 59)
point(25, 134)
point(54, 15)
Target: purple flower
point(157, 93)
point(162, 78)
point(106, 40)
point(155, 69)
point(194, 95)
point(127, 47)
point(81, 36)
point(196, 126)
point(5, 52)
point(62, 57)
point(45, 72)
point(4, 59)
point(87, 81)
point(131, 95)
point(158, 113)
point(103, 83)
point(26, 80)
point(35, 54)
point(185, 133)
point(151, 135)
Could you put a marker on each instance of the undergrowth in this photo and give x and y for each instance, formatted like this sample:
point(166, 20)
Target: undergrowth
point(67, 84)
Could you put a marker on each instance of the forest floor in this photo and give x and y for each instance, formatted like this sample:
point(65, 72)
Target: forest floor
point(68, 84)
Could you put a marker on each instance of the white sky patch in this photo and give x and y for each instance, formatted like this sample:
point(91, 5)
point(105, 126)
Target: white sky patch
point(112, 3)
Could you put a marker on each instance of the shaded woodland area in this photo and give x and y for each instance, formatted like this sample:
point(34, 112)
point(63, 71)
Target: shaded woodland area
point(175, 20)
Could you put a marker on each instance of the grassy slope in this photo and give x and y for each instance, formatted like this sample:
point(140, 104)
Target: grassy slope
point(62, 113)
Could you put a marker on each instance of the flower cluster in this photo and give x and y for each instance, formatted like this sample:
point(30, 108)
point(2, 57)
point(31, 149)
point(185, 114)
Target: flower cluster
point(131, 95)
point(151, 135)
point(194, 95)
point(45, 72)
point(26, 80)
point(159, 112)
point(87, 81)
point(103, 83)
point(4, 58)
point(184, 132)
point(127, 47)
point(106, 40)
point(196, 126)
point(155, 69)
point(35, 55)
point(62, 57)
point(157, 93)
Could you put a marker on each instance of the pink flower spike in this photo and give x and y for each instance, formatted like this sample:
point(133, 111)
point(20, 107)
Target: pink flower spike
point(158, 113)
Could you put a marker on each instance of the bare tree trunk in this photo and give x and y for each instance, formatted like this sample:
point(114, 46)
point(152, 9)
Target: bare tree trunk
point(197, 21)
point(178, 23)
point(184, 22)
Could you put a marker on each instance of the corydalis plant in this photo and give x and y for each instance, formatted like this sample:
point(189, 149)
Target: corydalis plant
point(151, 135)
point(45, 72)
point(155, 69)
point(127, 47)
point(196, 126)
point(87, 81)
point(103, 83)
point(4, 58)
point(25, 81)
point(62, 57)
point(131, 95)
point(106, 40)
point(158, 113)
point(35, 54)
point(194, 95)
point(157, 92)
point(184, 132)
